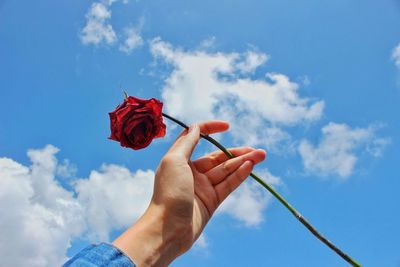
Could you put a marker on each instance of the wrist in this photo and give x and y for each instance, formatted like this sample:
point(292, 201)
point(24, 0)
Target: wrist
point(152, 240)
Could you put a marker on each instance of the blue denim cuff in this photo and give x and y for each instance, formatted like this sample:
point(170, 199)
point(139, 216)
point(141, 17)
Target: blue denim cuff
point(102, 254)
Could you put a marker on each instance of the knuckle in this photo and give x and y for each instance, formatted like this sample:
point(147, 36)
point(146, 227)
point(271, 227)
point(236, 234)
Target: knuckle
point(173, 159)
point(238, 176)
point(215, 159)
point(226, 167)
point(230, 185)
point(166, 160)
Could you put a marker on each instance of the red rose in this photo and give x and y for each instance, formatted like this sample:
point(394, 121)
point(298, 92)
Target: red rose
point(136, 122)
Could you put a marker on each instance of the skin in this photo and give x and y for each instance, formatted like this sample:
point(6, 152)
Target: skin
point(186, 194)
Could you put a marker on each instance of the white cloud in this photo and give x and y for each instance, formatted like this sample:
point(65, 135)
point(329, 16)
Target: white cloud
point(133, 39)
point(97, 29)
point(336, 152)
point(396, 56)
point(36, 209)
point(113, 198)
point(204, 85)
point(39, 218)
point(249, 201)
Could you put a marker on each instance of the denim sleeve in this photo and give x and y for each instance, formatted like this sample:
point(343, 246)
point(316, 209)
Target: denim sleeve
point(100, 255)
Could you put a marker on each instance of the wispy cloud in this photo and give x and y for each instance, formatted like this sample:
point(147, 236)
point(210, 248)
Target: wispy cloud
point(201, 242)
point(336, 152)
point(206, 85)
point(252, 61)
point(207, 43)
point(396, 56)
point(133, 38)
point(98, 29)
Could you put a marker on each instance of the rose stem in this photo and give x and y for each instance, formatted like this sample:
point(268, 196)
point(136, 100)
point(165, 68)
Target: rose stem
point(278, 196)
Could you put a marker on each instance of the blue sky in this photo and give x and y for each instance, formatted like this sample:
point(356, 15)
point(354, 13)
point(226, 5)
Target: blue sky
point(315, 83)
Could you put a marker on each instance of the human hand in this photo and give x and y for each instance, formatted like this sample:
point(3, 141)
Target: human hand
point(186, 194)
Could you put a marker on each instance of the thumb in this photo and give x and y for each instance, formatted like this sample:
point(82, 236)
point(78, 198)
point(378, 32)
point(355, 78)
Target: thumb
point(186, 143)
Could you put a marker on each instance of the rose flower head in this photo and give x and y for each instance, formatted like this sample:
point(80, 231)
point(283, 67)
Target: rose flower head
point(136, 122)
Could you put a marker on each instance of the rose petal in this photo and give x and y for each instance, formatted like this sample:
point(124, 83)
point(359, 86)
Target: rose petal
point(136, 122)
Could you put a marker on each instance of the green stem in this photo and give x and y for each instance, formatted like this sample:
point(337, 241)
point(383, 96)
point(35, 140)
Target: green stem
point(279, 197)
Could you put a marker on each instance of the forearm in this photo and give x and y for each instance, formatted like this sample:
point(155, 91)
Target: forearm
point(151, 241)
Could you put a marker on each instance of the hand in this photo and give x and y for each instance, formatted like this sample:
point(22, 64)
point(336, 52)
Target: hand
point(186, 194)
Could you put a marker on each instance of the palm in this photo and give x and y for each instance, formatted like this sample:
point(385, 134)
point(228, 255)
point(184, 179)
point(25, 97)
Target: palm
point(191, 191)
point(205, 200)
